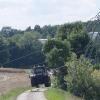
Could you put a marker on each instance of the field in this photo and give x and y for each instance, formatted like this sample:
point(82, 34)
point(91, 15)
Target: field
point(11, 79)
point(12, 70)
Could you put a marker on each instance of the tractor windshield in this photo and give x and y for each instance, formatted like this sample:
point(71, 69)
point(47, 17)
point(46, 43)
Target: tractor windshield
point(39, 71)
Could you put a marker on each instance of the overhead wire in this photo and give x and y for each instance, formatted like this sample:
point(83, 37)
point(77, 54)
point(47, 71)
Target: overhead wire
point(91, 45)
point(31, 53)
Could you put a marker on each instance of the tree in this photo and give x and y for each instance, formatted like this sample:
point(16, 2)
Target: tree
point(79, 42)
point(80, 77)
point(37, 28)
point(64, 31)
point(27, 46)
point(57, 53)
point(8, 32)
point(75, 33)
point(96, 84)
point(28, 29)
point(49, 30)
point(4, 52)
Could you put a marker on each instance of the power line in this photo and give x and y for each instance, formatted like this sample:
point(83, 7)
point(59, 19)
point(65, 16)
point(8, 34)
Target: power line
point(92, 43)
point(7, 49)
point(20, 57)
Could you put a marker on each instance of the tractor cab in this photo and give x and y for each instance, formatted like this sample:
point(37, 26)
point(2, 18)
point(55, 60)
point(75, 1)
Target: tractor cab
point(40, 71)
point(40, 76)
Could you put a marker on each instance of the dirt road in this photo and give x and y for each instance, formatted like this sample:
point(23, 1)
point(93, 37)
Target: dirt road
point(35, 94)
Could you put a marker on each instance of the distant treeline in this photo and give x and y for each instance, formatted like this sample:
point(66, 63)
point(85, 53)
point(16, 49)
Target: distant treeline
point(22, 48)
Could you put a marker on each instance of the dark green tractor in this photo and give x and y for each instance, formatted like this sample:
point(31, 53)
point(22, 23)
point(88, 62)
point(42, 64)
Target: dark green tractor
point(40, 76)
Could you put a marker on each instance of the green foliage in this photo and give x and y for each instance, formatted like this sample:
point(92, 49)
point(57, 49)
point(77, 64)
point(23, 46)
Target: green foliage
point(80, 79)
point(57, 94)
point(11, 95)
point(28, 29)
point(75, 33)
point(28, 39)
point(79, 71)
point(54, 94)
point(97, 66)
point(8, 31)
point(96, 84)
point(64, 31)
point(92, 26)
point(24, 47)
point(79, 42)
point(56, 52)
point(4, 53)
point(37, 28)
point(48, 30)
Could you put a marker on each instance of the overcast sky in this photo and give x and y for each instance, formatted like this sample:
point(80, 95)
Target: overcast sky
point(23, 13)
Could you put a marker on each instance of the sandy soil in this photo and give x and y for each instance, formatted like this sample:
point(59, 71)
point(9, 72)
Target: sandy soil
point(12, 80)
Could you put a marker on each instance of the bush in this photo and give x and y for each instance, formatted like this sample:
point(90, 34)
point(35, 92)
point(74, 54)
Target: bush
point(96, 85)
point(97, 66)
point(81, 81)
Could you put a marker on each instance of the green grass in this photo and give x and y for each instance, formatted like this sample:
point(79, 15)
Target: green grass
point(56, 94)
point(11, 95)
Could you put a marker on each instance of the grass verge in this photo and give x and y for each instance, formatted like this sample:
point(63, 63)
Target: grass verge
point(56, 94)
point(11, 95)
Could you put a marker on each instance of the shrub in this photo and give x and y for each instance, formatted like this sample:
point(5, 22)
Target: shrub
point(96, 84)
point(97, 66)
point(81, 81)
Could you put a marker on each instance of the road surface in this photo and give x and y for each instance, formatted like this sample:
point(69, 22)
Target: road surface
point(35, 94)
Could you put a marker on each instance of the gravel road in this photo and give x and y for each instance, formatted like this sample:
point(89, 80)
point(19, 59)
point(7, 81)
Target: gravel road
point(35, 94)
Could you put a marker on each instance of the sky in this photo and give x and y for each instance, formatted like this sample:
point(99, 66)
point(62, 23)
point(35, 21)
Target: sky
point(23, 13)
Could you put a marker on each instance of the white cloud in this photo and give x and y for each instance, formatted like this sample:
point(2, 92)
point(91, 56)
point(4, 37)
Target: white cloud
point(21, 13)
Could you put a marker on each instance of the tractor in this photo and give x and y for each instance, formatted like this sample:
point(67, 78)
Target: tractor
point(39, 76)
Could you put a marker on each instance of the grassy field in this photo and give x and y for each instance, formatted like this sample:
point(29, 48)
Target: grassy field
point(55, 94)
point(11, 95)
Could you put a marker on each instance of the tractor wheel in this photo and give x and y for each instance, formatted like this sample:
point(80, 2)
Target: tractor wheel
point(47, 84)
point(32, 82)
